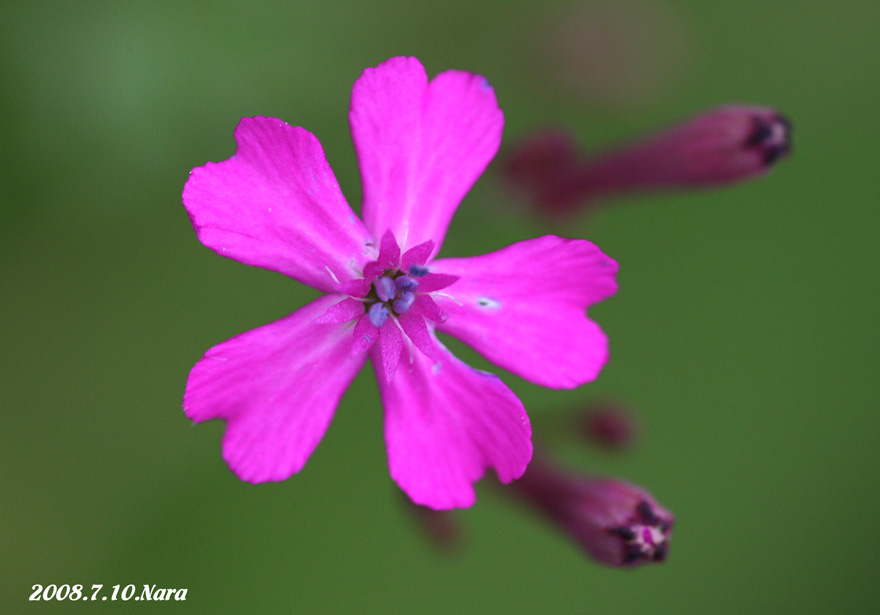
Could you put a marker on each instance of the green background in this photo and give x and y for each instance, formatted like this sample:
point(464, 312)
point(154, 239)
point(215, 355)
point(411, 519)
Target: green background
point(744, 334)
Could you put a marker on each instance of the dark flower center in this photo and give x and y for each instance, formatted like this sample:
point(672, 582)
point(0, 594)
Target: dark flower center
point(646, 536)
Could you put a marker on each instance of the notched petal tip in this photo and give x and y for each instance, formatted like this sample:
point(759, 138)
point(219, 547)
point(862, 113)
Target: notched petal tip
point(524, 308)
point(277, 388)
point(421, 145)
point(276, 204)
point(446, 424)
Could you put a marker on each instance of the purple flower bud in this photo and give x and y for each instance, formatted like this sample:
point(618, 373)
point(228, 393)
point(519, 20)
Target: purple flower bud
point(385, 288)
point(609, 425)
point(616, 522)
point(725, 145)
point(440, 527)
point(547, 166)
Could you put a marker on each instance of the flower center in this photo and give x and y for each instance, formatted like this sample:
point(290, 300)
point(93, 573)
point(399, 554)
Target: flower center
point(391, 293)
point(646, 537)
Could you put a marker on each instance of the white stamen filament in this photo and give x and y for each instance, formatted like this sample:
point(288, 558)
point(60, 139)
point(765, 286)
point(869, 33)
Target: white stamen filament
point(332, 275)
point(448, 296)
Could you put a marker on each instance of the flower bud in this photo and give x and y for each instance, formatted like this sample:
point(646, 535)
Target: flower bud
point(608, 425)
point(728, 144)
point(616, 522)
point(440, 527)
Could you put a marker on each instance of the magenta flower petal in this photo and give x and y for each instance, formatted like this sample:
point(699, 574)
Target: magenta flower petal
point(524, 308)
point(417, 331)
point(277, 388)
point(389, 257)
point(420, 145)
point(390, 347)
point(276, 204)
point(389, 251)
point(436, 281)
point(417, 255)
point(356, 288)
point(345, 311)
point(445, 423)
point(425, 306)
point(365, 335)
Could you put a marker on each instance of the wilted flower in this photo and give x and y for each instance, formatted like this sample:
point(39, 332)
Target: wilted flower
point(725, 145)
point(616, 522)
point(276, 204)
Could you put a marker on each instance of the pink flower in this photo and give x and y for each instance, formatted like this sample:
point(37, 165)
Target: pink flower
point(276, 204)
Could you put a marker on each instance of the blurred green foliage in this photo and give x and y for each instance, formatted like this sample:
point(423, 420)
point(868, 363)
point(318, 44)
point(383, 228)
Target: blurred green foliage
point(744, 332)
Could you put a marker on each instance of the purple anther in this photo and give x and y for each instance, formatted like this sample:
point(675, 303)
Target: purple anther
point(404, 283)
point(385, 288)
point(403, 302)
point(418, 271)
point(378, 314)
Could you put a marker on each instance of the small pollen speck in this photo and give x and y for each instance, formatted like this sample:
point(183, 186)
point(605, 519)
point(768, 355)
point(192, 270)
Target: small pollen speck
point(488, 302)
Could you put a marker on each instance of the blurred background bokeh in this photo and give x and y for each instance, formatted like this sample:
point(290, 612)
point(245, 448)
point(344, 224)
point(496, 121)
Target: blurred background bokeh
point(744, 334)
